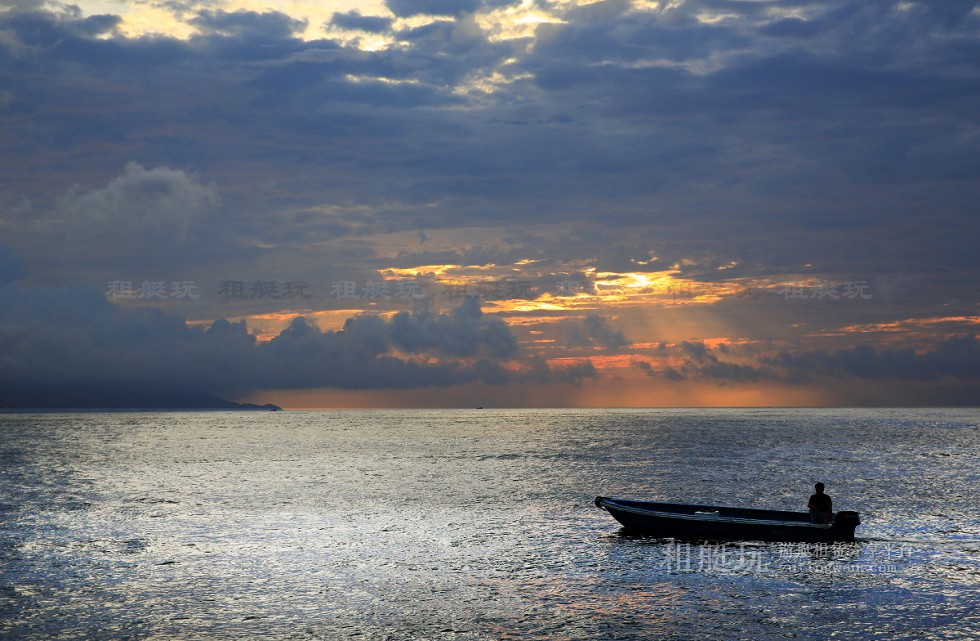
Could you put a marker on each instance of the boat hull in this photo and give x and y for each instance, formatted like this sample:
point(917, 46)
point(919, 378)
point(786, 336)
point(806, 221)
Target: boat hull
point(709, 522)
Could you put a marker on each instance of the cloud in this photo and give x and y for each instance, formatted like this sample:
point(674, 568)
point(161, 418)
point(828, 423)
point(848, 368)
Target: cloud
point(645, 367)
point(950, 365)
point(540, 372)
point(672, 374)
point(703, 363)
point(159, 203)
point(409, 8)
point(144, 221)
point(22, 5)
point(12, 266)
point(250, 25)
point(355, 21)
point(465, 332)
point(595, 330)
point(957, 357)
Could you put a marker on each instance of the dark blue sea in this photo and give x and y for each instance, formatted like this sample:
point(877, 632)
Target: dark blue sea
point(479, 524)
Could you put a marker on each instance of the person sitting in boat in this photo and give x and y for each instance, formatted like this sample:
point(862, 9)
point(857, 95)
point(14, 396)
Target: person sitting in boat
point(821, 506)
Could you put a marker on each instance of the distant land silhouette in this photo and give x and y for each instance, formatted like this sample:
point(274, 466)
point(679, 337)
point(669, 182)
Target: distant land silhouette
point(120, 399)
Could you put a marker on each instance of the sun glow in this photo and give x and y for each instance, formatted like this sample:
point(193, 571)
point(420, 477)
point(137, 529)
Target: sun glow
point(514, 22)
point(380, 80)
point(421, 270)
point(664, 287)
point(173, 19)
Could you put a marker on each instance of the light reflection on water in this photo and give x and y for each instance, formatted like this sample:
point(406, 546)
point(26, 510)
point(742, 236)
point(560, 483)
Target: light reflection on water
point(479, 525)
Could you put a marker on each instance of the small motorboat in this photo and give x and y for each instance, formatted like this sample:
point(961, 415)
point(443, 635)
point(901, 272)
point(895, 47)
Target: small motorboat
point(711, 522)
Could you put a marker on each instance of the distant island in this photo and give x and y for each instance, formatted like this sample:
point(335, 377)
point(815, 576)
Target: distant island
point(121, 399)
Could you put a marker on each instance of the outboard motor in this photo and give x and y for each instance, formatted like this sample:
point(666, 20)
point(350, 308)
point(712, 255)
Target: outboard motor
point(846, 522)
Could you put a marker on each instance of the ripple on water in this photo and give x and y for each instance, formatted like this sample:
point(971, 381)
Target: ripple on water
point(478, 525)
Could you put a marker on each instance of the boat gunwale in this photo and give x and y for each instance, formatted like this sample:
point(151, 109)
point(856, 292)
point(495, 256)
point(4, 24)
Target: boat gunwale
point(710, 517)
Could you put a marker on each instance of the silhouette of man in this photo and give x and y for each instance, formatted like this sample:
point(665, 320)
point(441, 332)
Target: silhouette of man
point(821, 506)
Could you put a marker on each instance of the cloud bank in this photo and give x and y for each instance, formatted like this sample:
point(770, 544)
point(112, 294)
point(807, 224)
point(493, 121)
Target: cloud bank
point(71, 348)
point(954, 361)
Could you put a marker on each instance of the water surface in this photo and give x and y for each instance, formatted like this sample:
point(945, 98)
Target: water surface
point(479, 525)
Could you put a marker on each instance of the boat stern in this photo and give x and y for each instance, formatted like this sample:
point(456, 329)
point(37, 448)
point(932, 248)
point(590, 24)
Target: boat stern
point(846, 522)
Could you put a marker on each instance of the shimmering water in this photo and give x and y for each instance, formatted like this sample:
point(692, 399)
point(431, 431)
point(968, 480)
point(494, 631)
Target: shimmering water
point(479, 525)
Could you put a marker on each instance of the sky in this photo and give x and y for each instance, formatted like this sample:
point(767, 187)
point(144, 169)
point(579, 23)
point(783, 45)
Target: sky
point(460, 203)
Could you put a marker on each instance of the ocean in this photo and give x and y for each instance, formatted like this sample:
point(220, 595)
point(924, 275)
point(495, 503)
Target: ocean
point(479, 524)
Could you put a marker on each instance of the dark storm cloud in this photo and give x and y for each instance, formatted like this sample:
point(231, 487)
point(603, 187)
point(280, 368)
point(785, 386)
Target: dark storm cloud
point(68, 343)
point(408, 8)
point(618, 111)
point(258, 27)
point(142, 220)
point(354, 20)
point(44, 30)
point(703, 363)
point(755, 87)
point(466, 332)
point(954, 361)
point(957, 357)
point(22, 5)
point(159, 202)
point(595, 330)
point(539, 371)
point(827, 115)
point(244, 96)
